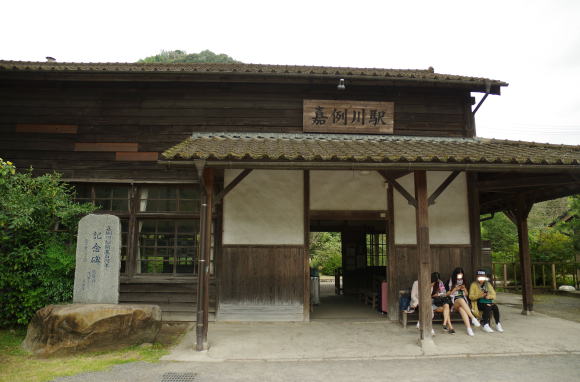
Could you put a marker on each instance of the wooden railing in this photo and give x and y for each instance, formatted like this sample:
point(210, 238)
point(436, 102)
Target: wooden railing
point(545, 275)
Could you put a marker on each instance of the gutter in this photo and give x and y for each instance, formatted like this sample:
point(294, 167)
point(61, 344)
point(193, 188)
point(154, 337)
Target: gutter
point(302, 165)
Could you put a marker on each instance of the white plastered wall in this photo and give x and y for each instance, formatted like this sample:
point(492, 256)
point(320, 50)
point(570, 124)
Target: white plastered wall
point(347, 191)
point(448, 217)
point(266, 208)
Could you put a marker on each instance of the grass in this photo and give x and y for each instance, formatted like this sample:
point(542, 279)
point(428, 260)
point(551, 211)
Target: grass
point(17, 365)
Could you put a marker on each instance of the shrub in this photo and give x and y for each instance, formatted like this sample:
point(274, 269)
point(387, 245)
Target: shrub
point(36, 262)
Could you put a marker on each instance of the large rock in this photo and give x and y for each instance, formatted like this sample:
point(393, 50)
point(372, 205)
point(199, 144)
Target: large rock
point(62, 329)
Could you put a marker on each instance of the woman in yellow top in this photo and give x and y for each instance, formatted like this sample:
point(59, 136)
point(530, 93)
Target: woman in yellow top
point(482, 294)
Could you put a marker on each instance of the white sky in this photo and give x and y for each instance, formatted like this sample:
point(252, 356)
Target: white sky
point(533, 45)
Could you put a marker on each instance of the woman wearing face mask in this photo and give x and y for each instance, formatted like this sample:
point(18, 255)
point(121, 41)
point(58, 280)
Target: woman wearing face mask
point(459, 296)
point(440, 301)
point(482, 296)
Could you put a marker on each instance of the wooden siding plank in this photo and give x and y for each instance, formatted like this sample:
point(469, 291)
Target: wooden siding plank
point(46, 129)
point(106, 146)
point(136, 157)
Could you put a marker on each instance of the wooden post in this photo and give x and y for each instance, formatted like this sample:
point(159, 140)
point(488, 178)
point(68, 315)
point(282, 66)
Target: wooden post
point(554, 286)
point(306, 188)
point(209, 186)
point(392, 268)
point(505, 276)
point(477, 259)
point(202, 302)
point(424, 257)
point(522, 211)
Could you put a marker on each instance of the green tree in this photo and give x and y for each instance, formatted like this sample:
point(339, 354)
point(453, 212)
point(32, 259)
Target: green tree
point(503, 236)
point(36, 262)
point(181, 56)
point(325, 251)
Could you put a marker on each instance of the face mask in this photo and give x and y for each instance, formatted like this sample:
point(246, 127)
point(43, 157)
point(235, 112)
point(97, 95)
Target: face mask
point(459, 282)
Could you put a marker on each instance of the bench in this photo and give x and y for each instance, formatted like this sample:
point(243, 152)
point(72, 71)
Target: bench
point(406, 318)
point(369, 297)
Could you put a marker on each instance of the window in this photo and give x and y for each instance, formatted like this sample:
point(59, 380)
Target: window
point(159, 223)
point(376, 244)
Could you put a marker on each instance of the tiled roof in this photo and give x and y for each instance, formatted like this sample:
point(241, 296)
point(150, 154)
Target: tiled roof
point(370, 149)
point(417, 75)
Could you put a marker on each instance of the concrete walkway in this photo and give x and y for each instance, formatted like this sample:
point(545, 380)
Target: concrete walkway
point(370, 336)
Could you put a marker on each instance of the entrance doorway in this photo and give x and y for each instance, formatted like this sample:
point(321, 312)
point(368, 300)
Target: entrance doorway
point(359, 250)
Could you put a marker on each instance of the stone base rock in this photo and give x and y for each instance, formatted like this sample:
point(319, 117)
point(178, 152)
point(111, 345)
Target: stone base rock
point(65, 329)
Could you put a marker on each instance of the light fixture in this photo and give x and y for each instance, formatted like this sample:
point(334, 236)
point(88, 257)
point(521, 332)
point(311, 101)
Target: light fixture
point(341, 85)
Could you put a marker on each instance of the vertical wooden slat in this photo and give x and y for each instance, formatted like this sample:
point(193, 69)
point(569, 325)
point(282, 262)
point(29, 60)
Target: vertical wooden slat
point(393, 266)
point(423, 255)
point(306, 188)
point(554, 286)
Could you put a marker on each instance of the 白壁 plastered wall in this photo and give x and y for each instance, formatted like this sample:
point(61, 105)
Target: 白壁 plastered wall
point(266, 208)
point(347, 191)
point(448, 217)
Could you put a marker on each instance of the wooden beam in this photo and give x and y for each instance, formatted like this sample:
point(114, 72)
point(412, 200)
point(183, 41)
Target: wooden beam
point(424, 257)
point(306, 195)
point(477, 259)
point(536, 181)
point(397, 186)
point(219, 197)
point(209, 185)
point(521, 213)
point(46, 129)
point(393, 267)
point(442, 187)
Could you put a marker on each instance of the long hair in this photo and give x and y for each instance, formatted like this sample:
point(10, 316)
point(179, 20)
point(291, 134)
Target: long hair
point(457, 271)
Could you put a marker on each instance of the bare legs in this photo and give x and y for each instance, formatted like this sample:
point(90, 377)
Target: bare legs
point(446, 315)
point(461, 306)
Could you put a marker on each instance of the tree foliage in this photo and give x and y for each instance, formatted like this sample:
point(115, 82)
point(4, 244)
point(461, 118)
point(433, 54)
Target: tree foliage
point(36, 262)
point(325, 251)
point(181, 56)
point(550, 244)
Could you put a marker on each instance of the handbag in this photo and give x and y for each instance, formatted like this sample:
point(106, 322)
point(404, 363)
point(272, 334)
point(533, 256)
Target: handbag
point(441, 300)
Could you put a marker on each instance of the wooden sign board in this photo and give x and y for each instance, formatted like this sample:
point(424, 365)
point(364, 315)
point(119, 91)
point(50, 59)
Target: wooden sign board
point(348, 117)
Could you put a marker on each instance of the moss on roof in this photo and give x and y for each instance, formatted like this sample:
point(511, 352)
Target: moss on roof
point(417, 75)
point(371, 149)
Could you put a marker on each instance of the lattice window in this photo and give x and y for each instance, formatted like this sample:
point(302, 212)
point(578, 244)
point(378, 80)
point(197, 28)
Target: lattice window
point(376, 244)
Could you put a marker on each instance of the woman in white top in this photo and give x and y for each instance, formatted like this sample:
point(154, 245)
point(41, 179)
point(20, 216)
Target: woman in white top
point(459, 295)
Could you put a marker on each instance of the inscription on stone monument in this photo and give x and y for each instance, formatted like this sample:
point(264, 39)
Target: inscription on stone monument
point(98, 260)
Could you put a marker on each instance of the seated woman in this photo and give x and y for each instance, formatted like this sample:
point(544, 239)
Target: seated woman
point(482, 296)
point(459, 296)
point(440, 301)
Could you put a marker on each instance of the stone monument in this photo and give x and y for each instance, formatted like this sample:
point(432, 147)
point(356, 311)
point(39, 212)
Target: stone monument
point(98, 260)
point(95, 320)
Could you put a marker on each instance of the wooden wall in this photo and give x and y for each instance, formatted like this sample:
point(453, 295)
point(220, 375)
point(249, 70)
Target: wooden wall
point(444, 258)
point(176, 297)
point(261, 281)
point(117, 130)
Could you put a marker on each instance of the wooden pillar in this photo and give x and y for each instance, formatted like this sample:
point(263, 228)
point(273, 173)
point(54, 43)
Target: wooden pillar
point(209, 186)
point(392, 268)
point(205, 221)
point(477, 259)
point(424, 257)
point(521, 215)
point(306, 190)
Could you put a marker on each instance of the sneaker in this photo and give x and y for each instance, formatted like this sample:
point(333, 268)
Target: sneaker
point(499, 328)
point(451, 331)
point(418, 327)
point(475, 322)
point(432, 332)
point(470, 332)
point(487, 329)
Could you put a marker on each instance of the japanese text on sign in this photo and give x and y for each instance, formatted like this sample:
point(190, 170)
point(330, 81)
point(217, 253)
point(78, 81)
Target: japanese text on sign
point(348, 116)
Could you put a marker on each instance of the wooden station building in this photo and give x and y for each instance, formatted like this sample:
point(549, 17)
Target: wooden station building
point(219, 172)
